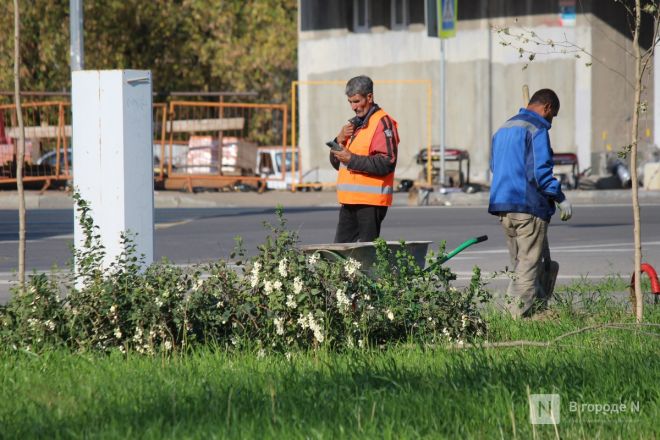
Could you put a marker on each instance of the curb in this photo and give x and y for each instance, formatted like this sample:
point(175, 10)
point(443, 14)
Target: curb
point(173, 199)
point(577, 197)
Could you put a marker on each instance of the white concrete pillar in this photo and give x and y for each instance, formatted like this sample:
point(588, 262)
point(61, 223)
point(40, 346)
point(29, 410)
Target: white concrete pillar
point(112, 156)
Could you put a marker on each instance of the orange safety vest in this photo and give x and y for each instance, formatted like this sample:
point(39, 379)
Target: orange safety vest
point(357, 188)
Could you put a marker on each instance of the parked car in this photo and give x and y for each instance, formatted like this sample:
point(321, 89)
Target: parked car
point(50, 159)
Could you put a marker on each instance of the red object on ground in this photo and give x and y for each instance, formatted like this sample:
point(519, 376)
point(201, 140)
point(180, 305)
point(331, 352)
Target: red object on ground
point(653, 276)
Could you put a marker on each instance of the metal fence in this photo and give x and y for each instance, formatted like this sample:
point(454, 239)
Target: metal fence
point(196, 144)
point(47, 146)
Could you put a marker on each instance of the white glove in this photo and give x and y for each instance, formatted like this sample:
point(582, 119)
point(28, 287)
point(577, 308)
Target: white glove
point(565, 209)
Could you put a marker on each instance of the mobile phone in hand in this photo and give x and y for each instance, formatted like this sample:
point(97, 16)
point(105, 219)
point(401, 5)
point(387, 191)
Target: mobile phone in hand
point(334, 146)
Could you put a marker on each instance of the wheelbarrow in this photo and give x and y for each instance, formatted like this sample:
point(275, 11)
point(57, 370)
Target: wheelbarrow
point(365, 252)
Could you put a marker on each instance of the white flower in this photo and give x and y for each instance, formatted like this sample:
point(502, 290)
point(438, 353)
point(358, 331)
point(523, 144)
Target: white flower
point(464, 321)
point(268, 287)
point(315, 327)
point(287, 355)
point(121, 348)
point(199, 284)
point(159, 302)
point(302, 321)
point(291, 302)
point(138, 334)
point(254, 278)
point(342, 300)
point(32, 322)
point(261, 353)
point(50, 324)
point(389, 314)
point(117, 333)
point(360, 343)
point(279, 326)
point(313, 259)
point(218, 304)
point(282, 268)
point(277, 285)
point(447, 334)
point(113, 308)
point(351, 266)
point(297, 285)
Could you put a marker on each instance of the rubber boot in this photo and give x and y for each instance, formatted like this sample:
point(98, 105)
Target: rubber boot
point(548, 280)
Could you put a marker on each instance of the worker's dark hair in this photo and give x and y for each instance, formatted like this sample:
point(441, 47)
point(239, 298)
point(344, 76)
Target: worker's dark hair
point(360, 85)
point(546, 96)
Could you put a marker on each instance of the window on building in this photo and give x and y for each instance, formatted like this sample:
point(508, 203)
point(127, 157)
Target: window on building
point(361, 15)
point(399, 14)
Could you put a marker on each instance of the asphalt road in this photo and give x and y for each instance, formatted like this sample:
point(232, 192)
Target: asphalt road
point(595, 243)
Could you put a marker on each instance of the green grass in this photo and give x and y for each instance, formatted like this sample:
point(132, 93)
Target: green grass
point(401, 392)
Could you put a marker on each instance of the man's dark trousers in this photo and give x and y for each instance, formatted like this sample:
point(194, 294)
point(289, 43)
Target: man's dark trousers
point(359, 223)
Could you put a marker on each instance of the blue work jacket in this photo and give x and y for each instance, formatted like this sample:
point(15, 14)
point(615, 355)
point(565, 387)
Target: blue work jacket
point(522, 168)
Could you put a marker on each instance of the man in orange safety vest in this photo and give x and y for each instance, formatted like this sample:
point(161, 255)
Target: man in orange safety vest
point(366, 162)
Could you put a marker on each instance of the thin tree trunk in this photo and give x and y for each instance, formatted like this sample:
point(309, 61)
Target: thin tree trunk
point(633, 163)
point(20, 155)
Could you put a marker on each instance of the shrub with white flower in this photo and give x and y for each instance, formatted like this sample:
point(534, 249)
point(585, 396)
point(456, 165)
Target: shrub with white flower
point(281, 300)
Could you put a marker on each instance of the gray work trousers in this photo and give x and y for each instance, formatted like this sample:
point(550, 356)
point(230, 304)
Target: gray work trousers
point(527, 239)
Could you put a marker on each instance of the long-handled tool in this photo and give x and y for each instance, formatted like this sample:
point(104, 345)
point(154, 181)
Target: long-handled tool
point(461, 247)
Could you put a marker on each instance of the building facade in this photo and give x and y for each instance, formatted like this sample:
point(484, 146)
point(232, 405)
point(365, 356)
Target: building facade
point(583, 53)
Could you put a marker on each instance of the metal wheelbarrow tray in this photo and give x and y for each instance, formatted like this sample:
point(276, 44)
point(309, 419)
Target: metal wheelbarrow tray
point(365, 252)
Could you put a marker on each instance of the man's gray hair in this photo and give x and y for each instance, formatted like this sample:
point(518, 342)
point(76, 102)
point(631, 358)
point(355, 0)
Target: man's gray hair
point(360, 85)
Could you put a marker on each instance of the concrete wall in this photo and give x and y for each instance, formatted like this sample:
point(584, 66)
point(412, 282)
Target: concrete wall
point(484, 81)
point(613, 96)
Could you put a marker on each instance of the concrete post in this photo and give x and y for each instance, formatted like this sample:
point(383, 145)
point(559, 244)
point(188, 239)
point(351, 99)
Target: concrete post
point(113, 158)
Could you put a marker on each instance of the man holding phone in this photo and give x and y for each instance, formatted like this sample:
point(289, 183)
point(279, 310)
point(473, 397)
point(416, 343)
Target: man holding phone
point(364, 153)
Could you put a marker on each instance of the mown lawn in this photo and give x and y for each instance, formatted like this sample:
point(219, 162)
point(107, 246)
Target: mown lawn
point(405, 391)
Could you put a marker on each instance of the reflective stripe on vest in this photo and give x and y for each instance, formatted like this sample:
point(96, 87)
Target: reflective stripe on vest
point(356, 188)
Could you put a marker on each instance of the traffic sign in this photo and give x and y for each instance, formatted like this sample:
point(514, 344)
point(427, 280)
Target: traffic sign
point(447, 14)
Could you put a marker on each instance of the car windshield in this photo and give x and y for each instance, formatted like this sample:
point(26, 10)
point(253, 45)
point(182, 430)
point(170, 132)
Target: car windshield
point(51, 158)
point(278, 160)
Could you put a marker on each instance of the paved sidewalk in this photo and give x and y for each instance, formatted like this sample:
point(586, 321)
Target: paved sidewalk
point(176, 199)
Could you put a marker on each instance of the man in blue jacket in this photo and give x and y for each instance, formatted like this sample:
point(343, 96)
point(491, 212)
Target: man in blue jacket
point(523, 194)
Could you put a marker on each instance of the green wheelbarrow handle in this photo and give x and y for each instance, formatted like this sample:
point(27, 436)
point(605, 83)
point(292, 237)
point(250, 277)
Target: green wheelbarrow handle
point(466, 244)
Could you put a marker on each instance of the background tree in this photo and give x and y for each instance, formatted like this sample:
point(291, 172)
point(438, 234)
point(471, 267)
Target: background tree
point(20, 154)
point(227, 45)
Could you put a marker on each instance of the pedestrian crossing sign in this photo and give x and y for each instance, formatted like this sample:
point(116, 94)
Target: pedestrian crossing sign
point(447, 12)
